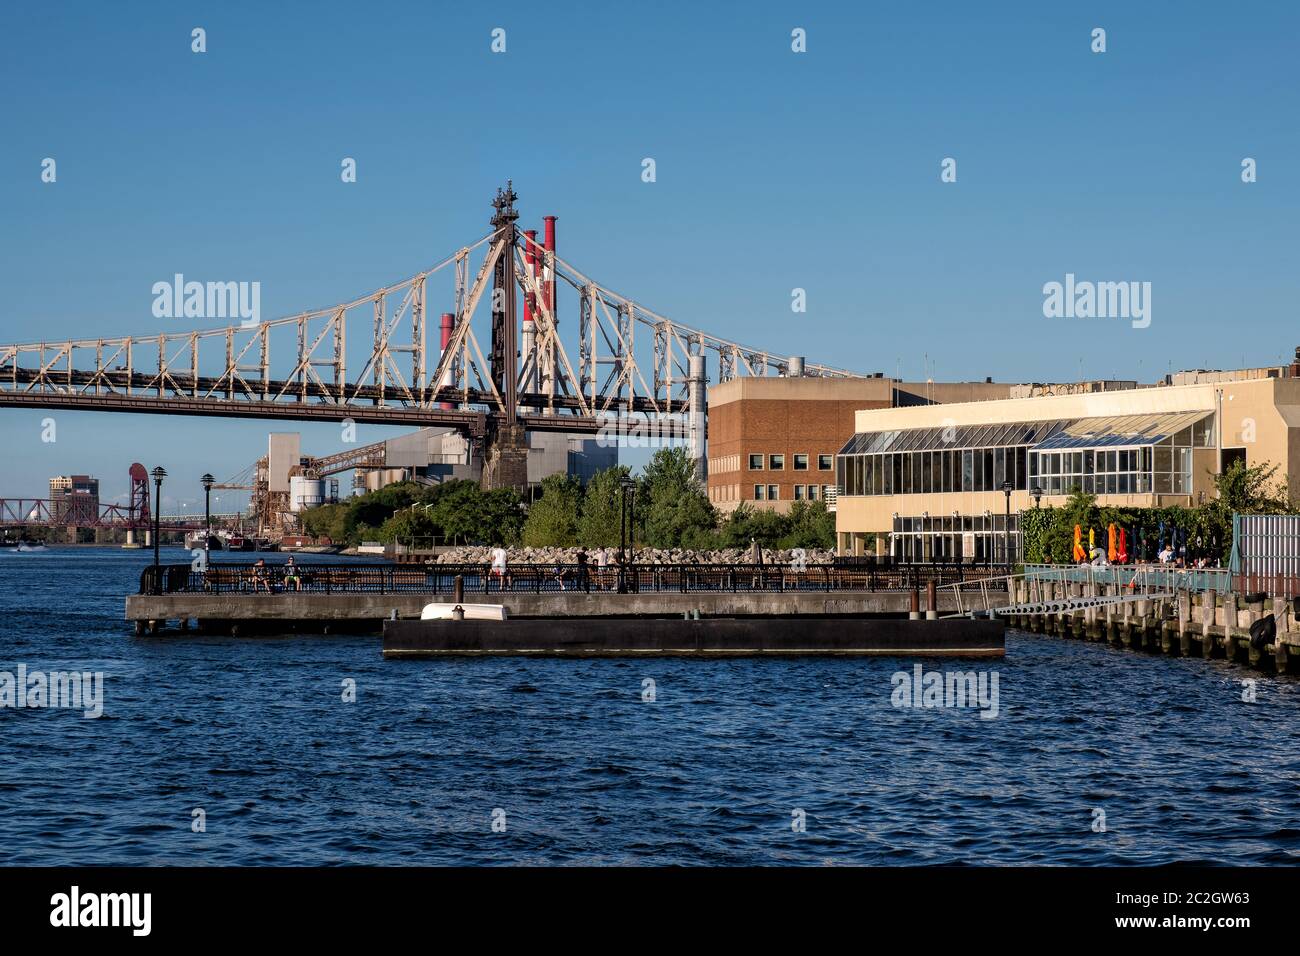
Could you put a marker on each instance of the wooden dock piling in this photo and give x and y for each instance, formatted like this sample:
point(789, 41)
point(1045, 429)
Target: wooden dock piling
point(1207, 625)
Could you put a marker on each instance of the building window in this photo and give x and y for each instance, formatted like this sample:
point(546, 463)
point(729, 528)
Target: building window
point(812, 492)
point(800, 462)
point(755, 462)
point(776, 462)
point(798, 492)
point(826, 492)
point(773, 493)
point(759, 492)
point(824, 462)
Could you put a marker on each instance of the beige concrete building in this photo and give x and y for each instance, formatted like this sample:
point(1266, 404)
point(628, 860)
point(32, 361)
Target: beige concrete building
point(935, 482)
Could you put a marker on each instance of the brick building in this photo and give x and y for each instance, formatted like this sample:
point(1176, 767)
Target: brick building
point(773, 441)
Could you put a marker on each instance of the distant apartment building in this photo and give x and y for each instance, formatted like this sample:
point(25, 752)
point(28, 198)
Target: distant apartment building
point(74, 500)
point(772, 441)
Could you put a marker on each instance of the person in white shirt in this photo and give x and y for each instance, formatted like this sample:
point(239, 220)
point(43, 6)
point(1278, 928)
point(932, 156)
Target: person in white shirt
point(602, 566)
point(499, 567)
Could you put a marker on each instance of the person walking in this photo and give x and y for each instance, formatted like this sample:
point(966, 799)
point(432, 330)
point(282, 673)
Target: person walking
point(584, 581)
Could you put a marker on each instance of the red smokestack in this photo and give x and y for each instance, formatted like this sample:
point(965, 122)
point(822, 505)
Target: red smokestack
point(550, 249)
point(448, 320)
point(530, 263)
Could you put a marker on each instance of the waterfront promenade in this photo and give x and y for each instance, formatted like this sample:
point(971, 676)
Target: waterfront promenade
point(246, 599)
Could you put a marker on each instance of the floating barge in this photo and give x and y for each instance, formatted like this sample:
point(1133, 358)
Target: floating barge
point(704, 637)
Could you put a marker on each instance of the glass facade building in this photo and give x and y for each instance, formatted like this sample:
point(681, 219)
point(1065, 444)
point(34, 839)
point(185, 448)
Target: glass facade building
point(1139, 454)
point(1119, 455)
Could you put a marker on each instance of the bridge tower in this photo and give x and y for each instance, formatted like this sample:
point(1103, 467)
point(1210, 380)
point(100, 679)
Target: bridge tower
point(505, 462)
point(137, 509)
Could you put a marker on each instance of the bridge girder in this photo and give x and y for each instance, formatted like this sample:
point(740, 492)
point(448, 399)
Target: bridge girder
point(228, 371)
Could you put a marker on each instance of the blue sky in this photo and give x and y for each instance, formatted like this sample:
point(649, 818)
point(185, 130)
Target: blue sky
point(775, 170)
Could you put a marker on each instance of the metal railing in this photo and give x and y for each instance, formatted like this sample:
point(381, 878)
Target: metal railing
point(323, 578)
point(1135, 576)
point(996, 593)
point(426, 542)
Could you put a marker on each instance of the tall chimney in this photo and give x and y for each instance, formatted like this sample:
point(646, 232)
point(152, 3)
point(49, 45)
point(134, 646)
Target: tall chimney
point(549, 264)
point(697, 412)
point(530, 266)
point(546, 364)
point(448, 321)
point(528, 340)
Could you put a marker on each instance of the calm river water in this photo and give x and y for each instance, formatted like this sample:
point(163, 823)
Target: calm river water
point(574, 766)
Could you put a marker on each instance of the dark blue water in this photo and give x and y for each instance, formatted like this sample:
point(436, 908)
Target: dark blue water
point(255, 733)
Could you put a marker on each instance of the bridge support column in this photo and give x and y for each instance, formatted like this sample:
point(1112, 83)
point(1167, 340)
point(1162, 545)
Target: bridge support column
point(506, 463)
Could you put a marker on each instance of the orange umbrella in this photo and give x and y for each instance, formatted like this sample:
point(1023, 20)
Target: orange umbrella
point(1078, 552)
point(1110, 543)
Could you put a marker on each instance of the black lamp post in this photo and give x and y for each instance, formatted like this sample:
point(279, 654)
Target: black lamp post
point(207, 481)
point(625, 486)
point(1037, 492)
point(159, 474)
point(1007, 488)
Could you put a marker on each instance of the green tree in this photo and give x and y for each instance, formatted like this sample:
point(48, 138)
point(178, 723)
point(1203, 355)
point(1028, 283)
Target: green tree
point(502, 515)
point(1254, 491)
point(677, 510)
point(456, 511)
point(327, 521)
point(811, 526)
point(766, 527)
point(407, 524)
point(465, 514)
point(670, 469)
point(598, 522)
point(553, 518)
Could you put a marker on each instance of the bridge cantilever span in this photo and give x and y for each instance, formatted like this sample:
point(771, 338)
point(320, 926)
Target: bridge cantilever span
point(367, 359)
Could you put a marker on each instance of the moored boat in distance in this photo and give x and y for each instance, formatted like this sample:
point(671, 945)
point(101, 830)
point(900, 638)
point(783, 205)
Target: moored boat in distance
point(22, 544)
point(194, 539)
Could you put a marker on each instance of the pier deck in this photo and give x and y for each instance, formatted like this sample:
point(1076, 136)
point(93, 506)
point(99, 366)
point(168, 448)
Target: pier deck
point(321, 597)
point(245, 613)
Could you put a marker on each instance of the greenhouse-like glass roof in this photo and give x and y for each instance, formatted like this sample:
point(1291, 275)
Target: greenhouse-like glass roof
point(1069, 433)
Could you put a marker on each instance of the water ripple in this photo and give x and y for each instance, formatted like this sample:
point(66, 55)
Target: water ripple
point(562, 762)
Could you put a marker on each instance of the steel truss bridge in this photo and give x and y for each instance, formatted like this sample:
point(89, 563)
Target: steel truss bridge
point(45, 512)
point(311, 366)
